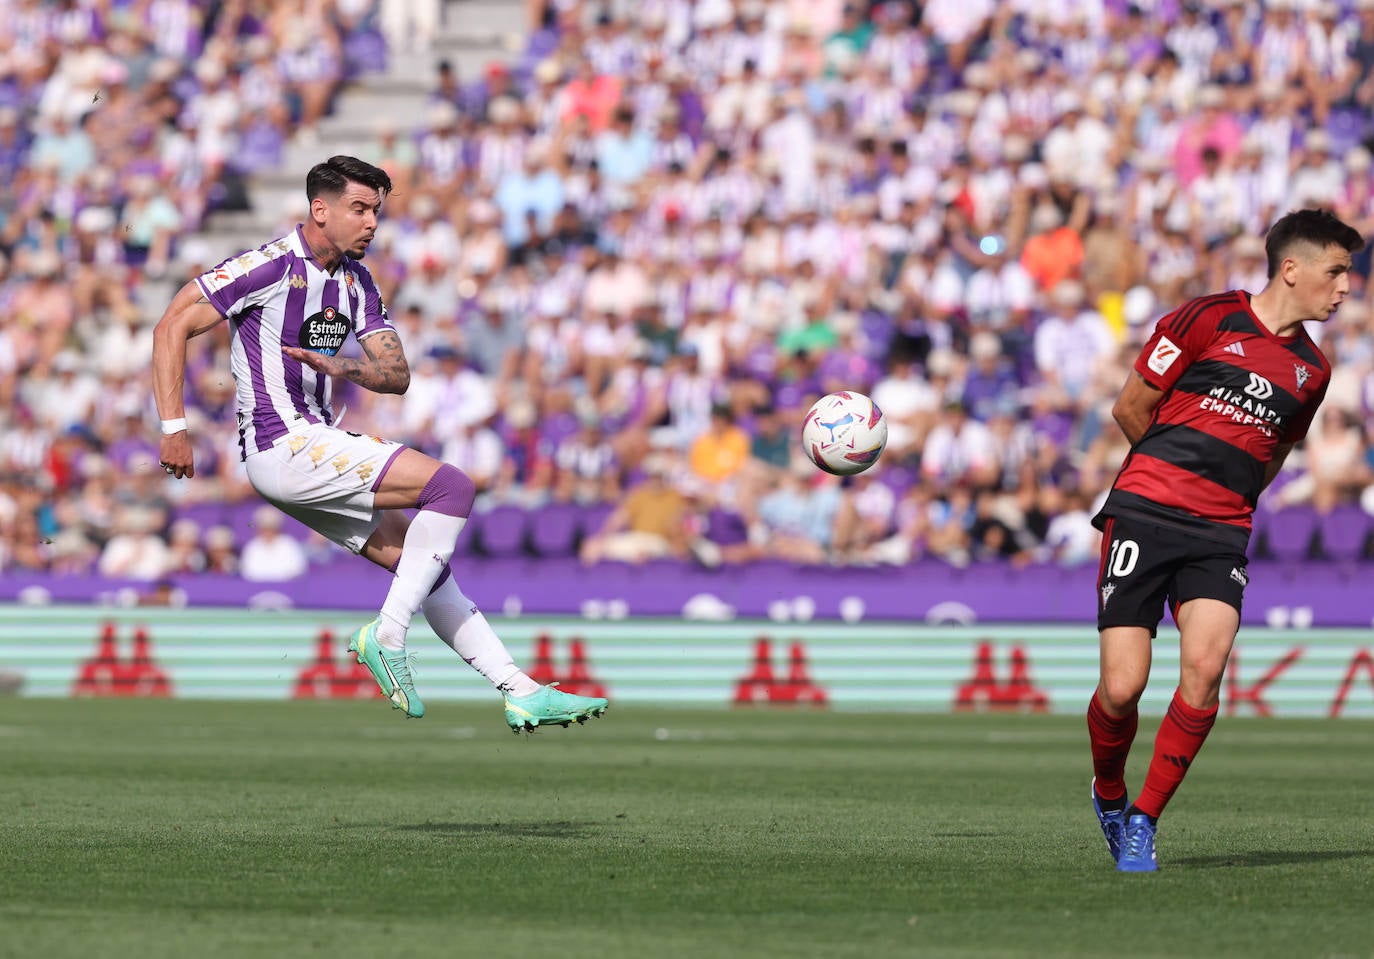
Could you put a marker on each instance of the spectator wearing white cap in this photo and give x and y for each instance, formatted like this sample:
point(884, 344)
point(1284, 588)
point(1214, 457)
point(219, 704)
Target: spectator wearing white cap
point(1194, 40)
point(960, 450)
point(150, 221)
point(184, 553)
point(1356, 203)
point(1318, 178)
point(270, 555)
point(897, 50)
point(908, 401)
point(1330, 66)
point(1071, 342)
point(42, 310)
point(1280, 40)
point(63, 142)
point(135, 551)
point(1245, 264)
point(1257, 200)
point(1112, 259)
point(502, 143)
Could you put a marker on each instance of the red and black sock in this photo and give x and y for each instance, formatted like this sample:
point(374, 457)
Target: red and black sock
point(1180, 736)
point(1111, 738)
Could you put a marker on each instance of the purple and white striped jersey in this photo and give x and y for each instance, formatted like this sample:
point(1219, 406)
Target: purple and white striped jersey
point(278, 296)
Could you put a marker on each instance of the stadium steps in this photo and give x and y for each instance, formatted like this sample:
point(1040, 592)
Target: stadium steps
point(473, 33)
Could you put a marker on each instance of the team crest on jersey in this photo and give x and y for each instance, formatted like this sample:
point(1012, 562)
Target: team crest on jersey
point(1303, 374)
point(324, 332)
point(348, 280)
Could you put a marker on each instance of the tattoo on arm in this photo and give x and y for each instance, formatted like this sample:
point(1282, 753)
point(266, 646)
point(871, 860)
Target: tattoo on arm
point(385, 370)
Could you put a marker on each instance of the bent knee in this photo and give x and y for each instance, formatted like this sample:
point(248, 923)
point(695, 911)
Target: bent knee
point(1119, 695)
point(449, 491)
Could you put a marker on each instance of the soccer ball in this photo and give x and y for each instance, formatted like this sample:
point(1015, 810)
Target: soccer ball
point(844, 433)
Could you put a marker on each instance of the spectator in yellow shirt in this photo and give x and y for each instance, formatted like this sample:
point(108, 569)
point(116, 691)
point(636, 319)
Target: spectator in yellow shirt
point(719, 454)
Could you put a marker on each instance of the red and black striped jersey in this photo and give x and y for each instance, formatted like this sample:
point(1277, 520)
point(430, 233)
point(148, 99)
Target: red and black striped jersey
point(1233, 392)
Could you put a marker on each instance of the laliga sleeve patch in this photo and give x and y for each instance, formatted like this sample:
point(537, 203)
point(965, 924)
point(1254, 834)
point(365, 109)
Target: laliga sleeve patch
point(1163, 355)
point(231, 269)
point(217, 279)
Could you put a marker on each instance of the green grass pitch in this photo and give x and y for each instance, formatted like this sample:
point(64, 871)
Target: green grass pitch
point(205, 829)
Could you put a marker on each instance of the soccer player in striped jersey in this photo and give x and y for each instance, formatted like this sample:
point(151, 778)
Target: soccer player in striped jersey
point(292, 303)
point(1220, 393)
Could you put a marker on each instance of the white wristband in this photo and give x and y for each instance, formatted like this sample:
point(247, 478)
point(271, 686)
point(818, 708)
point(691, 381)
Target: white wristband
point(170, 427)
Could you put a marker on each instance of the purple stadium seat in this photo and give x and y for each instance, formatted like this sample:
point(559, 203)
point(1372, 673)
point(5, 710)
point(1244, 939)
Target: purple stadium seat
point(203, 515)
point(555, 529)
point(725, 528)
point(1343, 532)
point(501, 531)
point(1289, 532)
point(467, 538)
point(594, 517)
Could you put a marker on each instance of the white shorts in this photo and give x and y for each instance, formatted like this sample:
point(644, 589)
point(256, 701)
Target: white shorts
point(326, 478)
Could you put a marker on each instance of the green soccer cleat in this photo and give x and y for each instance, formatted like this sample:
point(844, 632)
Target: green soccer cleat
point(547, 706)
point(391, 669)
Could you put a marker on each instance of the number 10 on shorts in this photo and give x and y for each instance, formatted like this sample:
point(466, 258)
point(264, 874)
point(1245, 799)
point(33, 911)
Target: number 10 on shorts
point(1122, 557)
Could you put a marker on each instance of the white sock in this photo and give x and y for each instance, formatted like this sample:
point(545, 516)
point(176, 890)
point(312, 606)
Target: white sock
point(459, 622)
point(426, 551)
point(391, 634)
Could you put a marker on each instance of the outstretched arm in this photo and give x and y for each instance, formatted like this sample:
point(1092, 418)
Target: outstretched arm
point(188, 315)
point(384, 371)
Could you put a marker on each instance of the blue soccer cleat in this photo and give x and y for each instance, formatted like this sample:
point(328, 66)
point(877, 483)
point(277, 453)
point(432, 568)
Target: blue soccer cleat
point(1138, 850)
point(1113, 823)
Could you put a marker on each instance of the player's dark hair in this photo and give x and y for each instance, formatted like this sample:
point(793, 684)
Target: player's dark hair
point(332, 177)
point(1321, 228)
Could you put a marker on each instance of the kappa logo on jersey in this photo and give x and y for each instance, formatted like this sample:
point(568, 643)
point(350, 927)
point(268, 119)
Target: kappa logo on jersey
point(1236, 348)
point(324, 332)
point(1303, 374)
point(297, 281)
point(1259, 388)
point(1163, 355)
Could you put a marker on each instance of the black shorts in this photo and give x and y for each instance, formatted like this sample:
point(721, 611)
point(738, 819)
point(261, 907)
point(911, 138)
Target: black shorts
point(1144, 564)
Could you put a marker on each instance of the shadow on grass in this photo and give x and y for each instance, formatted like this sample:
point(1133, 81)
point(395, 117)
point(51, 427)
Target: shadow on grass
point(1274, 857)
point(548, 830)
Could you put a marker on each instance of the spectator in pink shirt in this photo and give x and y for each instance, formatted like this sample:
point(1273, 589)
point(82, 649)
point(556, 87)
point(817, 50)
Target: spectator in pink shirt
point(1215, 126)
point(590, 94)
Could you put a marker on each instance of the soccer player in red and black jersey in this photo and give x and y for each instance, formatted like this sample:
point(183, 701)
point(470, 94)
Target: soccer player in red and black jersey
point(1219, 394)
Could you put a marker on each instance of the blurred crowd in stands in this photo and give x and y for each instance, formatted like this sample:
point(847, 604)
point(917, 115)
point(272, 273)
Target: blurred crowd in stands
point(625, 263)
